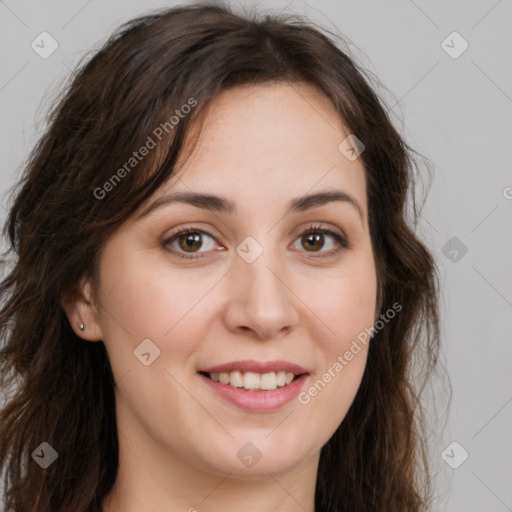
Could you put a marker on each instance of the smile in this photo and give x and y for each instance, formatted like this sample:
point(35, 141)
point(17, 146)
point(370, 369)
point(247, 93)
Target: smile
point(253, 381)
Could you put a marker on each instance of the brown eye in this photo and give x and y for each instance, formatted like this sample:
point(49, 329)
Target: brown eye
point(313, 240)
point(190, 241)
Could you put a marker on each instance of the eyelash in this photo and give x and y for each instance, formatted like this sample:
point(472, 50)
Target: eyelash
point(342, 242)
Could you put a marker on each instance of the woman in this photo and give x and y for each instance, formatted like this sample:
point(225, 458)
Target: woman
point(217, 296)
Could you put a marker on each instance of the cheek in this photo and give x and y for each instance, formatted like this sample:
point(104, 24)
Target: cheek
point(346, 306)
point(347, 309)
point(346, 348)
point(148, 300)
point(353, 306)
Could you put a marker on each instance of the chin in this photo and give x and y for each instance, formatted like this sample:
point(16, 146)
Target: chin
point(246, 459)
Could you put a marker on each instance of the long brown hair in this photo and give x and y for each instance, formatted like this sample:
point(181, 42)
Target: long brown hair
point(60, 389)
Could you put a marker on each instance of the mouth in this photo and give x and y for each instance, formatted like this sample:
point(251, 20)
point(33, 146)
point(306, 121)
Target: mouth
point(253, 381)
point(256, 386)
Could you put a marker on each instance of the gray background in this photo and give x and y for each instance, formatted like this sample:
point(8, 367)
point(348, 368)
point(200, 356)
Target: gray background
point(455, 111)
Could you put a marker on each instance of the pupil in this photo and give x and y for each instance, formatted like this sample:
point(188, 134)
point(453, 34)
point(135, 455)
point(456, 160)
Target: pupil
point(312, 238)
point(190, 239)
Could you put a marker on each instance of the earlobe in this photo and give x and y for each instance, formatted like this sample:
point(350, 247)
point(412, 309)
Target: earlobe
point(82, 313)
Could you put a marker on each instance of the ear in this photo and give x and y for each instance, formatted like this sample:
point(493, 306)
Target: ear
point(80, 309)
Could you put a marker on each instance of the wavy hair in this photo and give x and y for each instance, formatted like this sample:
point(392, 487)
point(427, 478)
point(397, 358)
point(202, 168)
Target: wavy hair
point(60, 389)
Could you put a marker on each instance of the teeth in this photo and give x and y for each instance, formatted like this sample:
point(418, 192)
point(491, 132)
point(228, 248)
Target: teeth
point(251, 380)
point(254, 381)
point(235, 379)
point(281, 378)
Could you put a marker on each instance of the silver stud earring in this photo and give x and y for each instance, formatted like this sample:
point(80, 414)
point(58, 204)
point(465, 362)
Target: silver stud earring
point(81, 327)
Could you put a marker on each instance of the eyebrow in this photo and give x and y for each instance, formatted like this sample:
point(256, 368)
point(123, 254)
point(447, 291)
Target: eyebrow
point(222, 205)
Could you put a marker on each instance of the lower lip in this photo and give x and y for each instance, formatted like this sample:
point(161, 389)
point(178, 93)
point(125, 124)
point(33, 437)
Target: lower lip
point(257, 401)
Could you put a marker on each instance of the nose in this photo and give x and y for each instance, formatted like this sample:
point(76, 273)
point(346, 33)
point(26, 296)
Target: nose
point(261, 299)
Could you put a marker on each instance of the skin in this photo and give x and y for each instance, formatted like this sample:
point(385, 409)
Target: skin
point(261, 146)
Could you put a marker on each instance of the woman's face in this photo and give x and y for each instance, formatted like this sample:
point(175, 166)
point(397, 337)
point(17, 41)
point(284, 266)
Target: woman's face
point(251, 284)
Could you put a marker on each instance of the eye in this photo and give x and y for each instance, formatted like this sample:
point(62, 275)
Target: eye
point(187, 242)
point(314, 237)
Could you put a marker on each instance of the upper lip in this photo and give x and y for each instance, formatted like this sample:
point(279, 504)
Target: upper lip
point(248, 365)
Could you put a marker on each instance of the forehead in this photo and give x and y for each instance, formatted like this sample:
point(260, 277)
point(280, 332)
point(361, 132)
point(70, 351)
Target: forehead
point(265, 143)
